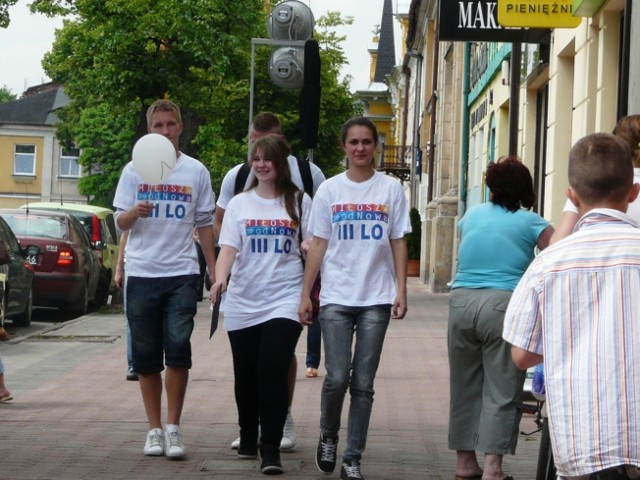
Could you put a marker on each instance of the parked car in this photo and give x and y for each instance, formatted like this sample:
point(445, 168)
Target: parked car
point(100, 224)
point(16, 279)
point(66, 269)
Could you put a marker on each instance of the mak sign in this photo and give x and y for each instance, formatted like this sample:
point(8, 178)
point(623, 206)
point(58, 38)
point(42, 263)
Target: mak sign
point(537, 14)
point(477, 21)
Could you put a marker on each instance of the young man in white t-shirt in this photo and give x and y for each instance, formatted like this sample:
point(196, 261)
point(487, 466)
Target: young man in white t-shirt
point(162, 275)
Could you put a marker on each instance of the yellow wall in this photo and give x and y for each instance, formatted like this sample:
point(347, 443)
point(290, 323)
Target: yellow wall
point(10, 183)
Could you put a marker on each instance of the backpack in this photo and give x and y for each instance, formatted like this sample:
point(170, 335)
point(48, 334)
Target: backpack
point(305, 173)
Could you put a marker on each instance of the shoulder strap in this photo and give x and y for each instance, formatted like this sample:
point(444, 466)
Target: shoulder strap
point(241, 178)
point(305, 173)
point(299, 195)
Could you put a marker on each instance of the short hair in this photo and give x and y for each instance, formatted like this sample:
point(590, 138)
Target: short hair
point(600, 168)
point(163, 105)
point(266, 122)
point(628, 129)
point(511, 184)
point(360, 122)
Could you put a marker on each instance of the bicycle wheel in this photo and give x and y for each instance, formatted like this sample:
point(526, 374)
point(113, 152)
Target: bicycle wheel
point(546, 467)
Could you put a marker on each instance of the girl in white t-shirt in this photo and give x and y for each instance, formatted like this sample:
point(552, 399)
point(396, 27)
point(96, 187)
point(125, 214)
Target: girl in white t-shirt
point(358, 221)
point(260, 247)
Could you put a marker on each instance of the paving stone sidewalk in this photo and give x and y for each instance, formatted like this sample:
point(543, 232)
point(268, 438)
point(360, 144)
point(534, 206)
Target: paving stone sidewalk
point(76, 417)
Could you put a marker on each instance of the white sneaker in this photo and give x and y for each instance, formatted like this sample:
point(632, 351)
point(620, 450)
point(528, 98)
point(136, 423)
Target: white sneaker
point(173, 446)
point(288, 434)
point(155, 443)
point(236, 443)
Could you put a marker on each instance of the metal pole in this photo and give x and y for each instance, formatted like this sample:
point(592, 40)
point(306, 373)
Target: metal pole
point(253, 61)
point(514, 97)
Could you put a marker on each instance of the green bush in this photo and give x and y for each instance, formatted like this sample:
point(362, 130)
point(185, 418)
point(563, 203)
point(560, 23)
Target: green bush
point(414, 239)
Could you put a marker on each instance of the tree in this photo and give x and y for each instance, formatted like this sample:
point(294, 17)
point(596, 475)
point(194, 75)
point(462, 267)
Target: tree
point(6, 95)
point(4, 12)
point(115, 58)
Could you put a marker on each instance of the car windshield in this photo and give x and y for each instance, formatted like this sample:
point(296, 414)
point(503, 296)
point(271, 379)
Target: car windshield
point(34, 226)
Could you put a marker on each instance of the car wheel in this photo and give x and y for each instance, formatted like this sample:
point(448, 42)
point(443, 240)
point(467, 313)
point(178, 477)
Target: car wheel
point(80, 308)
point(24, 319)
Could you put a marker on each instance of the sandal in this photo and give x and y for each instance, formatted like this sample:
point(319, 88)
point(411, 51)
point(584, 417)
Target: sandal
point(312, 372)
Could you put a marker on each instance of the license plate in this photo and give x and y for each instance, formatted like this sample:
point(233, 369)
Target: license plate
point(32, 259)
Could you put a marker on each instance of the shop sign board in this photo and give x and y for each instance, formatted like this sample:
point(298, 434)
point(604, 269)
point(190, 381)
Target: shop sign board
point(477, 21)
point(537, 14)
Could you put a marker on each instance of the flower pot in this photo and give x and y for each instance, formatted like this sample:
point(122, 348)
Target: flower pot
point(413, 268)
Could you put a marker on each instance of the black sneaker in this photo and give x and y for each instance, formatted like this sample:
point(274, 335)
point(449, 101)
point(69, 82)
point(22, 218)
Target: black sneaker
point(271, 463)
point(351, 471)
point(248, 448)
point(326, 454)
point(247, 453)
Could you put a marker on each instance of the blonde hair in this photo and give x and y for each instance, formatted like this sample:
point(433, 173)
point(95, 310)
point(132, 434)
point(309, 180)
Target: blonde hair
point(163, 105)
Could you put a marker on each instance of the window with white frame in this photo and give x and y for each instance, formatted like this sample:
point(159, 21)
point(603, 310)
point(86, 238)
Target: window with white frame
point(69, 166)
point(24, 160)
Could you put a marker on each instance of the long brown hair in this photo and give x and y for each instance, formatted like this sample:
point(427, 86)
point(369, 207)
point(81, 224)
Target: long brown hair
point(628, 129)
point(273, 147)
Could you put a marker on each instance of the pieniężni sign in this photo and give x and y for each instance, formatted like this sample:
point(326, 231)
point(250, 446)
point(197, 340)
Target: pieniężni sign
point(477, 21)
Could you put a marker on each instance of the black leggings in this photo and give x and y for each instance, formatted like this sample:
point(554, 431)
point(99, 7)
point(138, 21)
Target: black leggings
point(261, 358)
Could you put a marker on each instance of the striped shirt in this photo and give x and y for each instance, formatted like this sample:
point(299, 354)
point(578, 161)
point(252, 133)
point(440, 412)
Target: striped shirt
point(577, 304)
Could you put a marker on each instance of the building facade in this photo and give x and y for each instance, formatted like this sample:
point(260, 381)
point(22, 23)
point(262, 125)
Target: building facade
point(34, 166)
point(471, 102)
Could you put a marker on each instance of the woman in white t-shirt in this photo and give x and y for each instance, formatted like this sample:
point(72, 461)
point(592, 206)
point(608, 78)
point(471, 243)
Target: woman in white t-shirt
point(358, 221)
point(260, 247)
point(628, 129)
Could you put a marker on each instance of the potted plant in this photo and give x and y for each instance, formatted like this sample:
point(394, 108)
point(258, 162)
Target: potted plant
point(414, 243)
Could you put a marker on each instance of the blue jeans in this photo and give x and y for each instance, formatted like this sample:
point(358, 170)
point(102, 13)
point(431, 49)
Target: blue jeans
point(353, 369)
point(160, 313)
point(314, 344)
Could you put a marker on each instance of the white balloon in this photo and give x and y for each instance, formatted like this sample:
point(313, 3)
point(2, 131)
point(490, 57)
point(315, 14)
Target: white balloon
point(154, 157)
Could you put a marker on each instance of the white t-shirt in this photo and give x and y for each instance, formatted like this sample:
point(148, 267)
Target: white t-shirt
point(634, 208)
point(266, 277)
point(359, 220)
point(162, 245)
point(229, 181)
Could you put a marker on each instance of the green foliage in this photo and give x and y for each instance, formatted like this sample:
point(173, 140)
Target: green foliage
point(414, 239)
point(116, 57)
point(6, 95)
point(4, 12)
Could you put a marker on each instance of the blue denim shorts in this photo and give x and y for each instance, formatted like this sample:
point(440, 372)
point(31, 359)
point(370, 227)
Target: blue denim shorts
point(160, 312)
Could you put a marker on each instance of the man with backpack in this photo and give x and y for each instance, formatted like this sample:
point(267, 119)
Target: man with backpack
point(308, 177)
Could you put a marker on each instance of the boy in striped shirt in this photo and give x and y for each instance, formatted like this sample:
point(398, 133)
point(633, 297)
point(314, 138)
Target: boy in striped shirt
point(575, 307)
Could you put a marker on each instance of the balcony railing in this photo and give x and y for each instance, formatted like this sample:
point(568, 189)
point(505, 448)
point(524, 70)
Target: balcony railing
point(395, 160)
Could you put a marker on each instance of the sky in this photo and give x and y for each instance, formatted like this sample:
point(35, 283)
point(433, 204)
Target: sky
point(29, 36)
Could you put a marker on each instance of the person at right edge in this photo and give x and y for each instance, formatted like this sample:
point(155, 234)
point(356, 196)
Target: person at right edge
point(358, 221)
point(627, 129)
point(576, 308)
point(498, 241)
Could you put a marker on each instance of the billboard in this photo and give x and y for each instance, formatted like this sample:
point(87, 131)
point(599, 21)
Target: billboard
point(477, 21)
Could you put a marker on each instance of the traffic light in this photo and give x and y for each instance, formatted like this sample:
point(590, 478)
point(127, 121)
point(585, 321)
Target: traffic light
point(290, 20)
